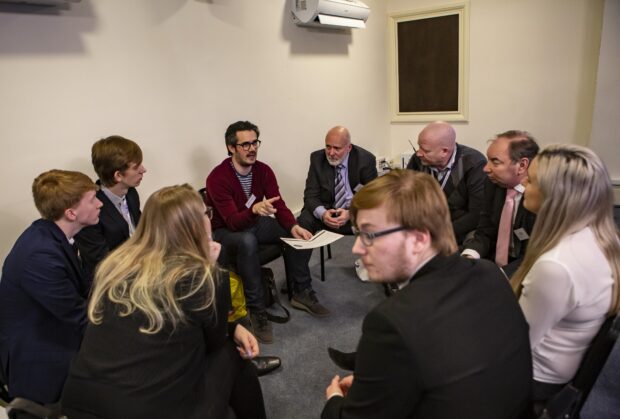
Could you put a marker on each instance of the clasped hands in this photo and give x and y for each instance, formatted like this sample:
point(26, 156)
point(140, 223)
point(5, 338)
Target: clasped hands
point(336, 218)
point(338, 387)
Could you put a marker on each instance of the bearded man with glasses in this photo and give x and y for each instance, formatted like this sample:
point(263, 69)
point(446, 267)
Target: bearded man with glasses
point(244, 194)
point(452, 343)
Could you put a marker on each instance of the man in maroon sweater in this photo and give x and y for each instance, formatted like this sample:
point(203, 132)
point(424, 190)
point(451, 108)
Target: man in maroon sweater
point(244, 194)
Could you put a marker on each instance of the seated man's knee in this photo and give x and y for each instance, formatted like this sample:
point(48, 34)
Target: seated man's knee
point(247, 243)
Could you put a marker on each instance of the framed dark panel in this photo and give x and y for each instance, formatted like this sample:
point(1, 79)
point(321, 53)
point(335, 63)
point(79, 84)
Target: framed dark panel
point(429, 57)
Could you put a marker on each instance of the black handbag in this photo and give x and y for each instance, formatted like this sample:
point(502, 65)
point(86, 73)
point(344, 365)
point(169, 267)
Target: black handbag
point(271, 296)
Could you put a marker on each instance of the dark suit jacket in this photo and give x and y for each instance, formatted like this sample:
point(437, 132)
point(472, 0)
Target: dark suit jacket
point(123, 373)
point(464, 189)
point(485, 237)
point(42, 312)
point(452, 344)
point(95, 242)
point(320, 183)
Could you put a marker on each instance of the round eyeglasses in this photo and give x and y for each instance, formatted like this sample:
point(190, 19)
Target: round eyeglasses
point(246, 146)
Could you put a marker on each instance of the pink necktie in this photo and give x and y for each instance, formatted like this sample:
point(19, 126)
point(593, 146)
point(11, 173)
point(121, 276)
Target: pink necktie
point(505, 229)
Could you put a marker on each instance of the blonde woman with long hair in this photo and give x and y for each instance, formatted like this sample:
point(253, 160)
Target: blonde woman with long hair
point(568, 282)
point(157, 343)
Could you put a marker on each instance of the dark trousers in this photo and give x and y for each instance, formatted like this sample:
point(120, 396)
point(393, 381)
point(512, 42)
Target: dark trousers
point(236, 386)
point(242, 253)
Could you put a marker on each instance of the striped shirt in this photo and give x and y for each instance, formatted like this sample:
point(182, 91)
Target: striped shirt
point(246, 181)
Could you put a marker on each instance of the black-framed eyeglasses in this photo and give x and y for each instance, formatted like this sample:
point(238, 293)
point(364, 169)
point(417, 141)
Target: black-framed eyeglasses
point(246, 146)
point(209, 212)
point(367, 238)
point(415, 150)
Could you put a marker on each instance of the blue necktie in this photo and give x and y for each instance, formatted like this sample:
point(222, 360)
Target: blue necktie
point(339, 190)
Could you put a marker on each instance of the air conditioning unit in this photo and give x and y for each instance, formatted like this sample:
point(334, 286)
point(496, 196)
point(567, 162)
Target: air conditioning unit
point(40, 2)
point(330, 13)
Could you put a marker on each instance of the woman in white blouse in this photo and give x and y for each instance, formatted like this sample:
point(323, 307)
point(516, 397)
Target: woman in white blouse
point(568, 282)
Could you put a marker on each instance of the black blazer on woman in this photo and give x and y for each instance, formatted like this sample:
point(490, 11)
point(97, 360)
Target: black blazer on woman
point(121, 372)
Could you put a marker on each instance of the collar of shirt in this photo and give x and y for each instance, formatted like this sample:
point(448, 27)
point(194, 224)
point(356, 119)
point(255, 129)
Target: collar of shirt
point(116, 200)
point(345, 163)
point(448, 166)
point(519, 188)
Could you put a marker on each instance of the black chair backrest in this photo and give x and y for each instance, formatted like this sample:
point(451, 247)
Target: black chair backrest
point(595, 357)
point(203, 194)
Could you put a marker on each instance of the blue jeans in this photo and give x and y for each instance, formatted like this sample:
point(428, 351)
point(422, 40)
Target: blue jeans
point(241, 249)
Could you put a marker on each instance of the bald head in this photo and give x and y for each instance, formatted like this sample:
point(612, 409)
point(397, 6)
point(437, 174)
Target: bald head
point(436, 144)
point(337, 145)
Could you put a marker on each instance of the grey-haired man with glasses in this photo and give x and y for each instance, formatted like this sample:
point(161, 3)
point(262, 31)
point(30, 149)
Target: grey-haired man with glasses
point(452, 343)
point(244, 194)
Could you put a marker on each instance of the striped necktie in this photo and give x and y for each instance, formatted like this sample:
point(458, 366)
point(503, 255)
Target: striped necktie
point(339, 189)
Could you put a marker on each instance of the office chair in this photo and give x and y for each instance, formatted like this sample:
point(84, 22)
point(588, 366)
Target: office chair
point(568, 402)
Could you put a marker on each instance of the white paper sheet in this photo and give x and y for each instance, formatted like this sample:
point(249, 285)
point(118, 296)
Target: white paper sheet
point(321, 238)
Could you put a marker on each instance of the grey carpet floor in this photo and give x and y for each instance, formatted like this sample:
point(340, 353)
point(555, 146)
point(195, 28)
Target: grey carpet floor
point(297, 389)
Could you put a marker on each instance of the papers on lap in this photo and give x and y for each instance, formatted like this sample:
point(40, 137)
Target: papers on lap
point(321, 238)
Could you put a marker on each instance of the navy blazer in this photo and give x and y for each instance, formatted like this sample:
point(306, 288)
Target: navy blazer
point(319, 191)
point(485, 237)
point(43, 295)
point(95, 242)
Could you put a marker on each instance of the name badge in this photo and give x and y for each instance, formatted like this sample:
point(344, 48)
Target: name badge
point(358, 187)
point(521, 234)
point(250, 201)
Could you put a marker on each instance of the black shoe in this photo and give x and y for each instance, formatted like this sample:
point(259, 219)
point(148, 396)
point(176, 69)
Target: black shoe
point(266, 364)
point(344, 360)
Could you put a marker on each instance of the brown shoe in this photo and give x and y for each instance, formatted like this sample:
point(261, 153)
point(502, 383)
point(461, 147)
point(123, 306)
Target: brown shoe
point(261, 327)
point(307, 301)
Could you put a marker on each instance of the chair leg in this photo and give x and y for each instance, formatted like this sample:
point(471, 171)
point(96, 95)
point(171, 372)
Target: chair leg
point(323, 262)
point(329, 251)
point(288, 278)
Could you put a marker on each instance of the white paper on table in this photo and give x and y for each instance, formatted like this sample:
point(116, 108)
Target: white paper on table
point(321, 238)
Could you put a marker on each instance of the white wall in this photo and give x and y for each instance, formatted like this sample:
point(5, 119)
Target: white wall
point(532, 66)
point(606, 123)
point(172, 74)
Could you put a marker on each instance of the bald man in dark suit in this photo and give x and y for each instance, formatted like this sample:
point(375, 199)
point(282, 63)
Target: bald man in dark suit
point(357, 167)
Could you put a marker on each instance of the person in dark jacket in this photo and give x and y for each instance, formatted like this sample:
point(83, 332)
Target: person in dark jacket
point(452, 342)
point(43, 290)
point(118, 163)
point(458, 169)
